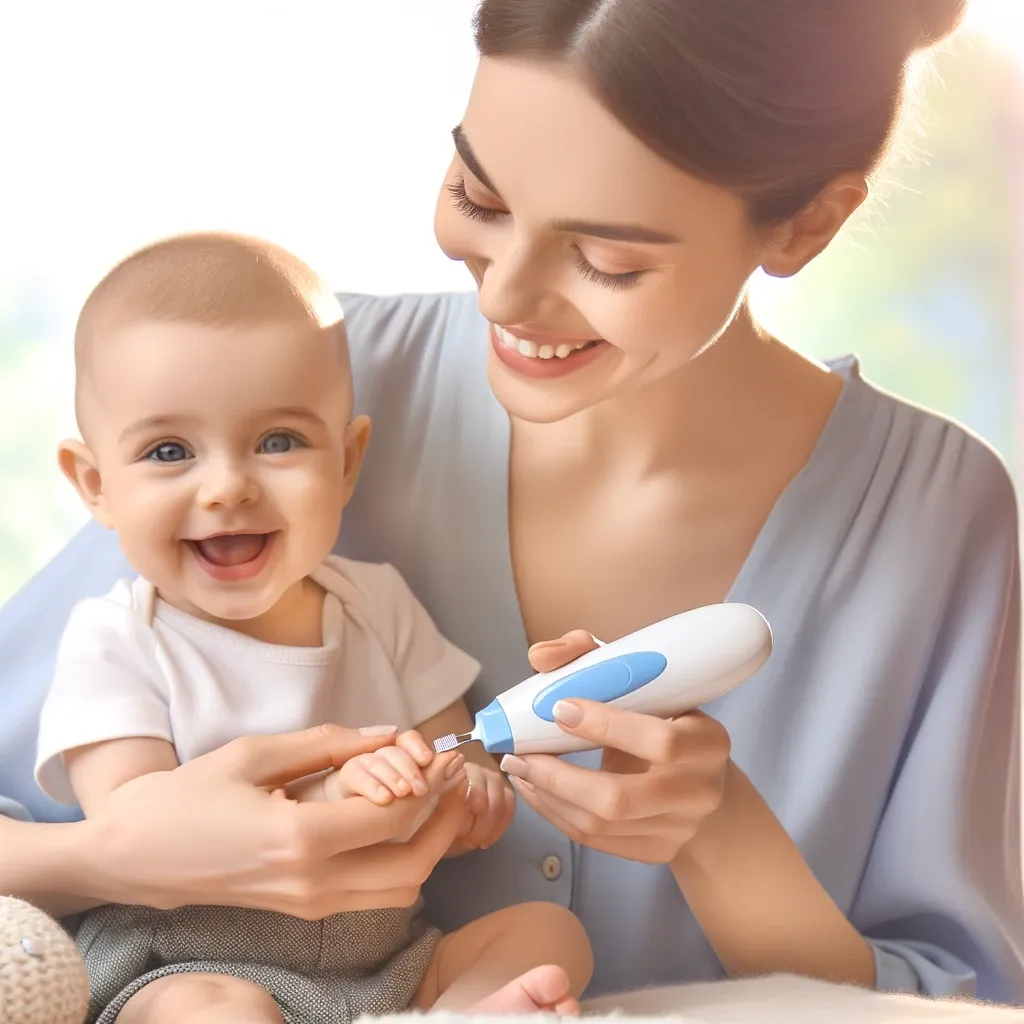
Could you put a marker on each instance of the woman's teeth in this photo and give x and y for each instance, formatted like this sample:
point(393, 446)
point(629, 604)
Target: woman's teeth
point(532, 350)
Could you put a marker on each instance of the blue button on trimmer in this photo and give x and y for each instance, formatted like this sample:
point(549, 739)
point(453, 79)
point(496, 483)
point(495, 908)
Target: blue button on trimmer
point(606, 681)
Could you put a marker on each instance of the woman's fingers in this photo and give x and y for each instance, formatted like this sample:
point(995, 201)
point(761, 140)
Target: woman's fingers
point(585, 823)
point(653, 842)
point(276, 760)
point(602, 794)
point(655, 740)
point(409, 864)
point(551, 654)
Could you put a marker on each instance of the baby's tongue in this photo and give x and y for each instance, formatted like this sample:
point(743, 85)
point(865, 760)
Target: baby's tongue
point(232, 550)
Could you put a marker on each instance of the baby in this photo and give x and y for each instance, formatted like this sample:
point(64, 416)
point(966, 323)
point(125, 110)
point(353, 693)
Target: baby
point(214, 399)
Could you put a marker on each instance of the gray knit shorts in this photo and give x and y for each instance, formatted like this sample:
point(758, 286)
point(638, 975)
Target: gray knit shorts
point(318, 972)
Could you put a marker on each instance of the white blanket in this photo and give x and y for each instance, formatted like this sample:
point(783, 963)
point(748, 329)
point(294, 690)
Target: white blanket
point(774, 1000)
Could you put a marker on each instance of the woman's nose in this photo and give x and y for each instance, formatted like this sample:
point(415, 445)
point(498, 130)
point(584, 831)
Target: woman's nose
point(514, 284)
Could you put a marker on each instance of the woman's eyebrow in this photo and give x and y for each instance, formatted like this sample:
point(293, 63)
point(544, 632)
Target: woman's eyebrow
point(612, 232)
point(468, 157)
point(617, 232)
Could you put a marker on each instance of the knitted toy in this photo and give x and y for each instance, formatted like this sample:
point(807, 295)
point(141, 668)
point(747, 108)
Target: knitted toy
point(42, 976)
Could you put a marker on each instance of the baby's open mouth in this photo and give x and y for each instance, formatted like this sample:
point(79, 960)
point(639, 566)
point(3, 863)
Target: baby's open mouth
point(230, 549)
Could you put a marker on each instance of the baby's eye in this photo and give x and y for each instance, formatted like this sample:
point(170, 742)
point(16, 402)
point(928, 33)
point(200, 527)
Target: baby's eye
point(278, 444)
point(169, 451)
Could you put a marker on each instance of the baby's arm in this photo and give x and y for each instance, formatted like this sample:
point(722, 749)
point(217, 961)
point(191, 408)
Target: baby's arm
point(97, 770)
point(106, 718)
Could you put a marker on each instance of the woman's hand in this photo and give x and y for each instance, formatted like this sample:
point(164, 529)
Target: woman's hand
point(217, 831)
point(659, 780)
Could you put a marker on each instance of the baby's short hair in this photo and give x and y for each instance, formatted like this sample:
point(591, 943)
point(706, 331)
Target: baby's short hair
point(212, 279)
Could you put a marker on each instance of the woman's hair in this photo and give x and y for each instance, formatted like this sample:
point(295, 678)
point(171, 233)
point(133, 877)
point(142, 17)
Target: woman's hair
point(768, 98)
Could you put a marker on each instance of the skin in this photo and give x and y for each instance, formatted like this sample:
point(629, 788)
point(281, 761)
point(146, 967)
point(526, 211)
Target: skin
point(664, 451)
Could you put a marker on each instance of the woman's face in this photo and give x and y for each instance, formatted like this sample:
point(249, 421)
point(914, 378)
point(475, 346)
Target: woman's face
point(600, 266)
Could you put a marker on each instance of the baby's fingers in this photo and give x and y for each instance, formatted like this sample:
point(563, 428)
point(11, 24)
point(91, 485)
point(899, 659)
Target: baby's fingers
point(399, 772)
point(354, 778)
point(416, 747)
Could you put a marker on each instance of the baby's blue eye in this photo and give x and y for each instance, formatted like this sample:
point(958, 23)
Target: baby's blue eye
point(278, 444)
point(170, 451)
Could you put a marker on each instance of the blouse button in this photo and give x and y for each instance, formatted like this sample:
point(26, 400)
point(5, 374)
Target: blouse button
point(551, 867)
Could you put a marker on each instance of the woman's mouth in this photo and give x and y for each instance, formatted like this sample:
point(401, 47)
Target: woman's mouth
point(230, 557)
point(544, 357)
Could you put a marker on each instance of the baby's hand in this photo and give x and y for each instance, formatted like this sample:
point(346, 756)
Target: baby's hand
point(385, 774)
point(489, 809)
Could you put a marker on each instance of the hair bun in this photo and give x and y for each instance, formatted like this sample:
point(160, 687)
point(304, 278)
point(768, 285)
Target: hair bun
point(936, 20)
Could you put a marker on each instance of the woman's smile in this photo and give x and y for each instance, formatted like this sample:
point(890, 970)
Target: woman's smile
point(536, 355)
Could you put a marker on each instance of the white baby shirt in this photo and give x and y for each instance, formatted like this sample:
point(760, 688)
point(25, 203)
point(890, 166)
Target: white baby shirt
point(130, 665)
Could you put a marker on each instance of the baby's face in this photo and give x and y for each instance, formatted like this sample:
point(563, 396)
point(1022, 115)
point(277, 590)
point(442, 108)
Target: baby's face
point(224, 456)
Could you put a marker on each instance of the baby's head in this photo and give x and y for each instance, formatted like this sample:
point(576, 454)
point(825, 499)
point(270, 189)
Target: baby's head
point(214, 399)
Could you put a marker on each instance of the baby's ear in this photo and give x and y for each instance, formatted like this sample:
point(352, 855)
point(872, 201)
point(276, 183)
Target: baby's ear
point(357, 437)
point(78, 464)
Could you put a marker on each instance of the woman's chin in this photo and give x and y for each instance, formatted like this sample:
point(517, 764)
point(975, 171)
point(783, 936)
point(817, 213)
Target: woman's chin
point(545, 400)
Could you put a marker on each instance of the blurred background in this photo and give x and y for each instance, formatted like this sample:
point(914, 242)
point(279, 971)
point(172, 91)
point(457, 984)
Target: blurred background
point(323, 124)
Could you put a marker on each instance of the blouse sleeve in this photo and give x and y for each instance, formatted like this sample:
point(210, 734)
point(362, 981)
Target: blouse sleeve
point(941, 900)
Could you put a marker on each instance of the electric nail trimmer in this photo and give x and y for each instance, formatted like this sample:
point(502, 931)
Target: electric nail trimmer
point(665, 670)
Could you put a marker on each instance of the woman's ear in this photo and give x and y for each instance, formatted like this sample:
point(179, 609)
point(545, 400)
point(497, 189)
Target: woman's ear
point(799, 240)
point(357, 437)
point(78, 464)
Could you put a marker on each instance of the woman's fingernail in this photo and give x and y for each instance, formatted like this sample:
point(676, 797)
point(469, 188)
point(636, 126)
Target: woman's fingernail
point(377, 730)
point(455, 767)
point(567, 713)
point(549, 645)
point(515, 766)
point(523, 785)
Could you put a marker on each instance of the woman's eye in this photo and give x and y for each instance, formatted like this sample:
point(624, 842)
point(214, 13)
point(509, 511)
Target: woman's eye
point(169, 451)
point(279, 444)
point(615, 281)
point(466, 206)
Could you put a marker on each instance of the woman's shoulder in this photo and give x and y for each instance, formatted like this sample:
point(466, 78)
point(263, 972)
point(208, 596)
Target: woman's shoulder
point(923, 472)
point(410, 329)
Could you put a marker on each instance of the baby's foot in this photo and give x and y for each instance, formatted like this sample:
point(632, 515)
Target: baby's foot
point(542, 990)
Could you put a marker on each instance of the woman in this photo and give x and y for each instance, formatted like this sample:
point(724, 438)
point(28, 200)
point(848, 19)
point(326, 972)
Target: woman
point(851, 813)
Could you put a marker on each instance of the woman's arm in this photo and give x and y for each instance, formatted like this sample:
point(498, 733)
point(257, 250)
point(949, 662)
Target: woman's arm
point(211, 832)
point(758, 903)
point(40, 864)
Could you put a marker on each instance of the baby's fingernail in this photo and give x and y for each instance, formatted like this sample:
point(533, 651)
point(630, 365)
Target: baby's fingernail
point(419, 787)
point(377, 730)
point(515, 766)
point(567, 713)
point(455, 767)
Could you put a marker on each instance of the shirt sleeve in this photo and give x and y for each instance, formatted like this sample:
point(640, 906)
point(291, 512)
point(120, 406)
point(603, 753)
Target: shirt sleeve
point(105, 687)
point(432, 671)
point(11, 809)
point(941, 901)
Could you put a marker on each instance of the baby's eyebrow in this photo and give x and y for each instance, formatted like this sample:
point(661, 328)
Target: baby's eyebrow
point(294, 412)
point(151, 423)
